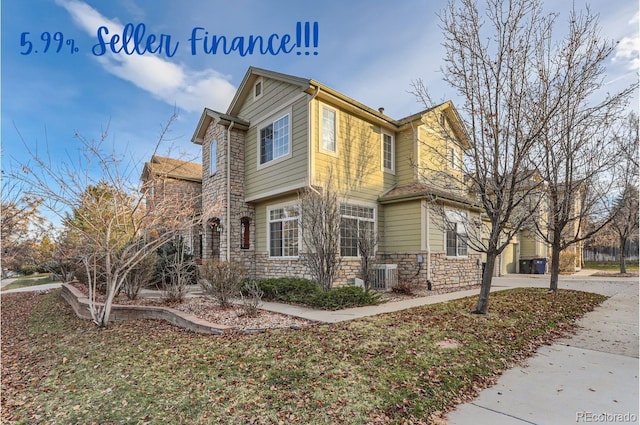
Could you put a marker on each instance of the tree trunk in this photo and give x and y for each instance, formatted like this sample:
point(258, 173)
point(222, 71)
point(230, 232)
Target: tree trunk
point(555, 268)
point(623, 263)
point(483, 300)
point(106, 310)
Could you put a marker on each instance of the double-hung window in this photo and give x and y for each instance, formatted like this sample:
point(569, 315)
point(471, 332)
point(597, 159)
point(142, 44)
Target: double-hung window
point(456, 234)
point(283, 231)
point(388, 151)
point(454, 159)
point(274, 140)
point(356, 226)
point(328, 129)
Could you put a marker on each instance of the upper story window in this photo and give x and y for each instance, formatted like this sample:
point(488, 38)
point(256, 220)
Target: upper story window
point(388, 152)
point(284, 238)
point(328, 129)
point(356, 226)
point(257, 89)
point(213, 157)
point(456, 234)
point(455, 161)
point(274, 140)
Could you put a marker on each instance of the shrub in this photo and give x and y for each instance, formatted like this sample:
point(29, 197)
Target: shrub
point(567, 262)
point(304, 291)
point(402, 287)
point(288, 289)
point(251, 295)
point(222, 280)
point(344, 297)
point(139, 277)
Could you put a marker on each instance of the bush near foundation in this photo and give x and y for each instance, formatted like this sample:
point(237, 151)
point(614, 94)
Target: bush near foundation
point(304, 291)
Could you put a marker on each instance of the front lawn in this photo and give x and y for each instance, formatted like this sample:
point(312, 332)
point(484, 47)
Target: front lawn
point(611, 266)
point(405, 367)
point(23, 283)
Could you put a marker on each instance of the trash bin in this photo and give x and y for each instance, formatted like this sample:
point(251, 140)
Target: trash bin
point(525, 266)
point(539, 266)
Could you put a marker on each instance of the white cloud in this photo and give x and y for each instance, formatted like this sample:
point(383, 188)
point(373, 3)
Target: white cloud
point(628, 49)
point(168, 81)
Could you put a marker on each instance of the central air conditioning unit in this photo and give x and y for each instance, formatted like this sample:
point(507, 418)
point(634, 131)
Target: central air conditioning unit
point(385, 276)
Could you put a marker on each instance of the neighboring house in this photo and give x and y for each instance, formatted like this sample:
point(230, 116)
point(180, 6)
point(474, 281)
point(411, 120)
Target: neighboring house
point(571, 259)
point(176, 186)
point(529, 245)
point(281, 134)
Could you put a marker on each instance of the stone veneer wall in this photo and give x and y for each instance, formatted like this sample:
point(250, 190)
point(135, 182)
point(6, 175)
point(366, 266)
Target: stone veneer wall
point(279, 267)
point(452, 272)
point(214, 189)
point(445, 271)
point(186, 192)
point(275, 267)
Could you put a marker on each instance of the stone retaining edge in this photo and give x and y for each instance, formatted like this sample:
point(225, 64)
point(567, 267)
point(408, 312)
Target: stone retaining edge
point(80, 305)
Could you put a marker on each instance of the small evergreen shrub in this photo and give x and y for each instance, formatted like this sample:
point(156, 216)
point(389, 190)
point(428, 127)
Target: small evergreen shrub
point(288, 289)
point(344, 297)
point(303, 291)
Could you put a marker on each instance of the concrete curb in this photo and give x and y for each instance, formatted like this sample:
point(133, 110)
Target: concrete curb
point(80, 305)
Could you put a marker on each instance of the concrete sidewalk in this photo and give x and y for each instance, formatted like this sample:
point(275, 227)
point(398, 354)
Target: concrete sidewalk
point(590, 377)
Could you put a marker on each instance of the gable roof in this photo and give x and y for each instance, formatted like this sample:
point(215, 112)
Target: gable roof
point(209, 115)
point(172, 168)
point(251, 76)
point(452, 115)
point(307, 85)
point(315, 88)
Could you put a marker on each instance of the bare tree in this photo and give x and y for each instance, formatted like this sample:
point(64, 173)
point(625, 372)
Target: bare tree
point(490, 62)
point(514, 95)
point(576, 154)
point(321, 220)
point(367, 242)
point(625, 220)
point(21, 223)
point(320, 226)
point(99, 199)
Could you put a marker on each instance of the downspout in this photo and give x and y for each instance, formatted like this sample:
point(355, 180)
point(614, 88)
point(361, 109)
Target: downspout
point(229, 190)
point(309, 141)
point(428, 246)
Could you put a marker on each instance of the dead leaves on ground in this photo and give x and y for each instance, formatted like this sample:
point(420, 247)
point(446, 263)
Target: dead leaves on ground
point(406, 367)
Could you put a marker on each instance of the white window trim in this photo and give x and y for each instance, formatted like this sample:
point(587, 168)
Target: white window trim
point(320, 146)
point(391, 170)
point(375, 223)
point(211, 157)
point(466, 213)
point(261, 82)
point(276, 207)
point(273, 118)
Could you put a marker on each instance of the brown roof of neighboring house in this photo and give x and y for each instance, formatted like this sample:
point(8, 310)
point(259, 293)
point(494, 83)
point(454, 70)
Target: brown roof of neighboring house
point(420, 190)
point(173, 168)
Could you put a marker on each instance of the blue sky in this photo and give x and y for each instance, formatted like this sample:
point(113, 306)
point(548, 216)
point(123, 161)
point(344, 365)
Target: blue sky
point(369, 50)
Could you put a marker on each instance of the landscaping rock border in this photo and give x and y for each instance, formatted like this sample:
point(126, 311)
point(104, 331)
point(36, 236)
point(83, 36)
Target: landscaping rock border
point(80, 305)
